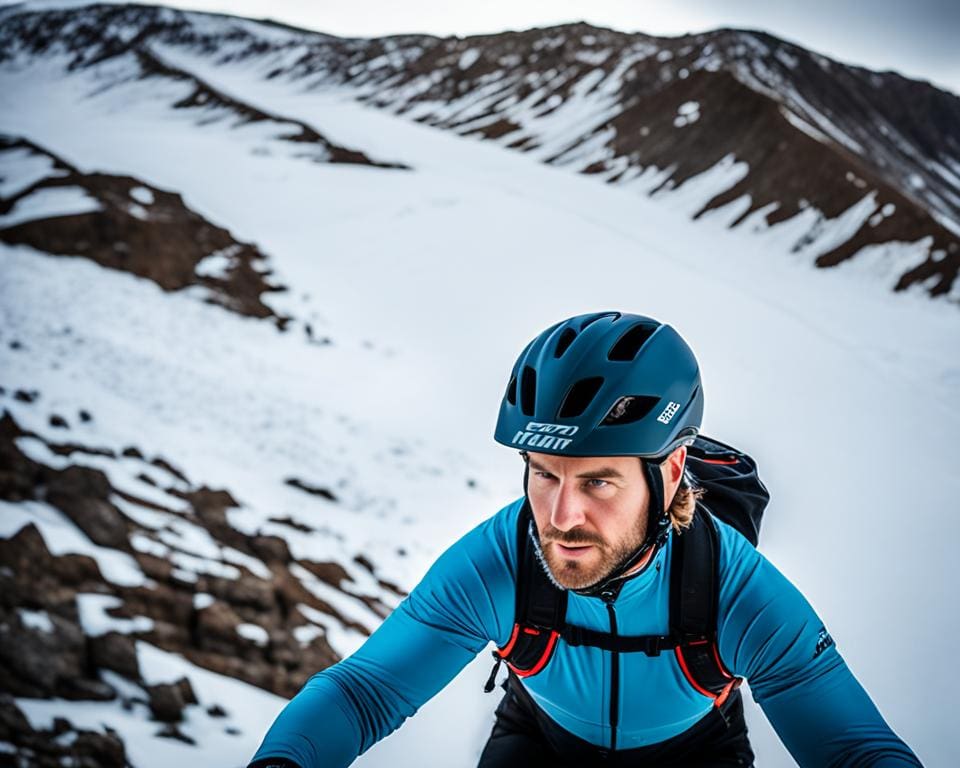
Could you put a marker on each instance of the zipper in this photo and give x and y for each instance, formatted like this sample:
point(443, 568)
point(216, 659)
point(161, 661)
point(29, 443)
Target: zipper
point(608, 598)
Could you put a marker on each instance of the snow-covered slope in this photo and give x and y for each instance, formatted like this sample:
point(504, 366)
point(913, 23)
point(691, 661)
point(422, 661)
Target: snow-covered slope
point(750, 126)
point(191, 491)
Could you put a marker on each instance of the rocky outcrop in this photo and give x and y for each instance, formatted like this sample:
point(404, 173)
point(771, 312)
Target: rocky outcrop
point(141, 229)
point(62, 745)
point(45, 649)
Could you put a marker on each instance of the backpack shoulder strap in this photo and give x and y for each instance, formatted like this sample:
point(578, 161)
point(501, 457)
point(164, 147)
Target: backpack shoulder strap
point(539, 614)
point(540, 603)
point(694, 607)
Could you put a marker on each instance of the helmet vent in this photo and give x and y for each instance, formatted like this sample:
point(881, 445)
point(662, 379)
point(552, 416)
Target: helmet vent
point(580, 396)
point(594, 318)
point(528, 391)
point(512, 391)
point(628, 346)
point(566, 339)
point(630, 409)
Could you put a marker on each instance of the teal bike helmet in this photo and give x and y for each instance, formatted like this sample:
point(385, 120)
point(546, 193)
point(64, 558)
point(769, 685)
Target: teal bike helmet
point(606, 384)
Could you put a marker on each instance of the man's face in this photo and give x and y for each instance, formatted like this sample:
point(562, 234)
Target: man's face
point(591, 514)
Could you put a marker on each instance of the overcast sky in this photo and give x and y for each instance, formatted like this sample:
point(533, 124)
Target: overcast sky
point(918, 39)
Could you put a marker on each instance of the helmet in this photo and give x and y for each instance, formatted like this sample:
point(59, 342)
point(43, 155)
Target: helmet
point(606, 384)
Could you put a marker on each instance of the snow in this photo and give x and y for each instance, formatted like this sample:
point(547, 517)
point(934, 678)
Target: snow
point(142, 195)
point(48, 203)
point(138, 212)
point(786, 58)
point(96, 621)
point(833, 232)
point(21, 167)
point(348, 607)
point(687, 113)
point(62, 536)
point(468, 58)
point(594, 58)
point(37, 620)
point(226, 741)
point(307, 633)
point(723, 175)
point(193, 565)
point(202, 600)
point(218, 263)
point(252, 564)
point(798, 122)
point(254, 633)
point(397, 412)
point(141, 515)
point(824, 124)
point(343, 639)
point(123, 473)
point(148, 546)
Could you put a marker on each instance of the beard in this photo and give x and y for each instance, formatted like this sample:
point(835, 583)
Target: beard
point(594, 566)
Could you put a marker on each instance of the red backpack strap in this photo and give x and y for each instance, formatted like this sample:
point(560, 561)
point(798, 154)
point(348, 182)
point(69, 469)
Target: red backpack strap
point(694, 601)
point(540, 612)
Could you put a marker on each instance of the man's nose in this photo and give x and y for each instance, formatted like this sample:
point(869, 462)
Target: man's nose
point(567, 510)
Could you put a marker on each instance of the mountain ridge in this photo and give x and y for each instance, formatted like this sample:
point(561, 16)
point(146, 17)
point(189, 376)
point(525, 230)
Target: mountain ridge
point(816, 136)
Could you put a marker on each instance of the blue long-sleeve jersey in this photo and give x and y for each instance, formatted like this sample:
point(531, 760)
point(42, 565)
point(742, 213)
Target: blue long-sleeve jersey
point(767, 631)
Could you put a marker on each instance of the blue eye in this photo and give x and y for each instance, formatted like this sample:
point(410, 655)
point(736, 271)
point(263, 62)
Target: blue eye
point(596, 482)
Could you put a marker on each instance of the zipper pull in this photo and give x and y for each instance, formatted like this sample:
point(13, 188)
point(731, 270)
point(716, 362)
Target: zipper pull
point(492, 680)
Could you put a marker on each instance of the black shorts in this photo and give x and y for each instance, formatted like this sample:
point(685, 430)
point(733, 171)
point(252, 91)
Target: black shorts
point(523, 735)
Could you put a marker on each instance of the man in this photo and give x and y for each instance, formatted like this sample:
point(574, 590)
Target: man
point(576, 584)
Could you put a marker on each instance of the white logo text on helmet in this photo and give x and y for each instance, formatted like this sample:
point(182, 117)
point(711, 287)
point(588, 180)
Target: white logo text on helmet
point(549, 436)
point(668, 413)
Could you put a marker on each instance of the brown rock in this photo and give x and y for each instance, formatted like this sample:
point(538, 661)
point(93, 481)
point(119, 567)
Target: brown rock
point(186, 691)
point(332, 573)
point(41, 664)
point(247, 590)
point(43, 749)
point(82, 493)
point(217, 628)
point(271, 549)
point(87, 689)
point(117, 652)
point(103, 750)
point(38, 578)
point(155, 568)
point(12, 720)
point(167, 701)
point(170, 731)
point(161, 602)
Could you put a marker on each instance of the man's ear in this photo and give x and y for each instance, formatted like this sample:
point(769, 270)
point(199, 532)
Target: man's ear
point(672, 469)
point(675, 463)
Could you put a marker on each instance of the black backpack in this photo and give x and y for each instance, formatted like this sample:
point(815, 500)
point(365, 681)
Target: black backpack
point(735, 495)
